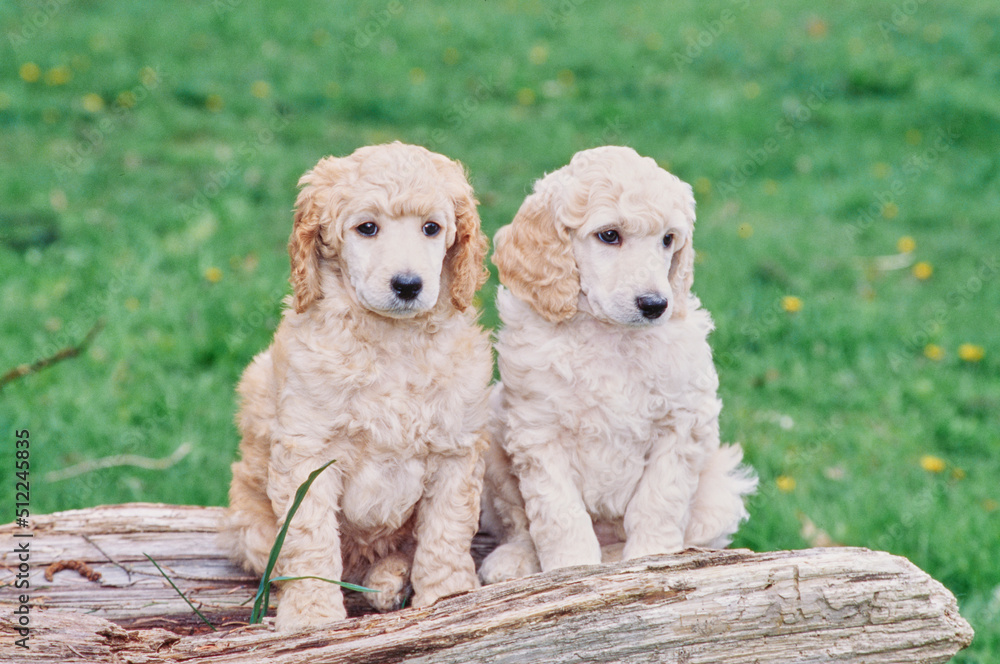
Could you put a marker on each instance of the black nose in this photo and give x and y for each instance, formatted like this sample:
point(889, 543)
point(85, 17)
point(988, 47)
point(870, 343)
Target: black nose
point(406, 286)
point(651, 306)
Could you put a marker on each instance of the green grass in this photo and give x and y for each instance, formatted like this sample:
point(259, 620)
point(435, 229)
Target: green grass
point(815, 138)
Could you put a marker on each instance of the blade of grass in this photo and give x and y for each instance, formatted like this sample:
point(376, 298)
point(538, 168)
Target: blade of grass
point(264, 590)
point(342, 584)
point(183, 596)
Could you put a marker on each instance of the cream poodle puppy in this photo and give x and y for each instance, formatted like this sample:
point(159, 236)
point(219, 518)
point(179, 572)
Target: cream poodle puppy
point(606, 419)
point(378, 363)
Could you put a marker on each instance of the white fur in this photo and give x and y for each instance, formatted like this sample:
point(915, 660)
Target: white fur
point(398, 248)
point(606, 421)
point(392, 389)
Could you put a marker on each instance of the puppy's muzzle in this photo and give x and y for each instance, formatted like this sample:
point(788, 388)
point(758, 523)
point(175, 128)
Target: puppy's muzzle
point(651, 306)
point(406, 286)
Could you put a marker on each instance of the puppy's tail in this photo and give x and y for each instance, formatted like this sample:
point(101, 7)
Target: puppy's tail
point(718, 507)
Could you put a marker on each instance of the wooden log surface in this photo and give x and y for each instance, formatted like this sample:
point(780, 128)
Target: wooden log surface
point(815, 605)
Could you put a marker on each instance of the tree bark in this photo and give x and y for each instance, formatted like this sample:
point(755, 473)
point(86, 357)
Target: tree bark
point(720, 607)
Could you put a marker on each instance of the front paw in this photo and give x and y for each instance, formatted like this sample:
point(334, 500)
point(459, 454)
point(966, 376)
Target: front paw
point(455, 584)
point(511, 560)
point(639, 547)
point(313, 606)
point(391, 578)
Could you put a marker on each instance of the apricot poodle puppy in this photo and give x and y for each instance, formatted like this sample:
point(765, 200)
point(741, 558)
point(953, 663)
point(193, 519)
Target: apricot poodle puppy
point(378, 363)
point(607, 419)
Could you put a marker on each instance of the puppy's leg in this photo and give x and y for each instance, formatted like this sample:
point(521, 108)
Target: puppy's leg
point(312, 545)
point(717, 507)
point(657, 514)
point(390, 576)
point(249, 527)
point(560, 526)
point(503, 516)
point(447, 518)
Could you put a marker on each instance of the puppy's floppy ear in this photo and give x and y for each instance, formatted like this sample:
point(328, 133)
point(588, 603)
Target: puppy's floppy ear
point(311, 208)
point(535, 260)
point(464, 260)
point(682, 263)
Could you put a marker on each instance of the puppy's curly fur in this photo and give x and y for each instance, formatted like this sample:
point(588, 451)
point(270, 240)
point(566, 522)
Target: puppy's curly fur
point(378, 363)
point(607, 416)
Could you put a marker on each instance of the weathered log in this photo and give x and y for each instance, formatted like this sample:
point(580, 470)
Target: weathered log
point(816, 605)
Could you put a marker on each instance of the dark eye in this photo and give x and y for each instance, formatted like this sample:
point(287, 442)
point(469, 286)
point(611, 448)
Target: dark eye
point(668, 240)
point(368, 229)
point(431, 229)
point(609, 237)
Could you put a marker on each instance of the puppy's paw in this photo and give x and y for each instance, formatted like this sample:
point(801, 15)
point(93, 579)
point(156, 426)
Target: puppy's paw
point(509, 561)
point(457, 582)
point(641, 547)
point(302, 608)
point(390, 576)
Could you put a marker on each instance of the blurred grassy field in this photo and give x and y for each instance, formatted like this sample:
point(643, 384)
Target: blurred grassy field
point(845, 163)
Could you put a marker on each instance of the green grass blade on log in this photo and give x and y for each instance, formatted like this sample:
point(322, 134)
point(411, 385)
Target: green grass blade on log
point(183, 596)
point(264, 590)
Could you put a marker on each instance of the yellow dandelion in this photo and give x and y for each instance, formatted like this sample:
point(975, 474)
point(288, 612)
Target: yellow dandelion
point(80, 62)
point(566, 77)
point(881, 170)
point(744, 230)
point(539, 54)
point(654, 41)
point(250, 263)
point(933, 352)
point(58, 75)
point(99, 42)
point(93, 102)
point(30, 72)
point(213, 275)
point(417, 76)
point(817, 28)
point(923, 270)
point(906, 244)
point(260, 89)
point(785, 483)
point(125, 99)
point(932, 464)
point(525, 96)
point(132, 304)
point(320, 37)
point(971, 352)
point(791, 304)
point(751, 89)
point(957, 474)
point(770, 187)
point(914, 137)
point(148, 77)
point(991, 505)
point(703, 186)
point(58, 200)
point(450, 56)
point(890, 210)
point(214, 103)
